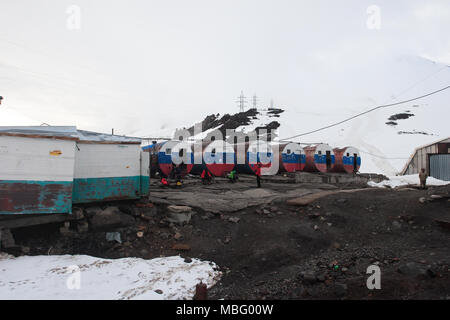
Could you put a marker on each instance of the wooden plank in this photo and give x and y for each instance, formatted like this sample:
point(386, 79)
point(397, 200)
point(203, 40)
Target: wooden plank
point(17, 221)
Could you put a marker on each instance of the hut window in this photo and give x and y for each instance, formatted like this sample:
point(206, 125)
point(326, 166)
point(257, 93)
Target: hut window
point(213, 138)
point(235, 140)
point(180, 138)
point(247, 139)
point(348, 154)
point(181, 153)
point(319, 152)
point(168, 151)
point(288, 151)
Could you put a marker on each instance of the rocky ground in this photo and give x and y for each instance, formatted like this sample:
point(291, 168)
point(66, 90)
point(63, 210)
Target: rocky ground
point(272, 244)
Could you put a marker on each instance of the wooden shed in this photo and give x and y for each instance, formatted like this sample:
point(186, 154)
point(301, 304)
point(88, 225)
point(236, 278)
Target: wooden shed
point(109, 167)
point(37, 169)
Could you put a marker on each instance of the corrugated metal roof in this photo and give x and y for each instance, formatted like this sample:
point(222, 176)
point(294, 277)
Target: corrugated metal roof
point(66, 132)
point(89, 136)
point(62, 132)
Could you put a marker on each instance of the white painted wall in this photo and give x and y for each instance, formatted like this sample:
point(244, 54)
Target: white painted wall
point(107, 160)
point(30, 159)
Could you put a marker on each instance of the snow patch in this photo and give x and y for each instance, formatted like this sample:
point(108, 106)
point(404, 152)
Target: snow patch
point(413, 179)
point(46, 277)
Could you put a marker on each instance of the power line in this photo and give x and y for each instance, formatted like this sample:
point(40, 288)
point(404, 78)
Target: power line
point(365, 112)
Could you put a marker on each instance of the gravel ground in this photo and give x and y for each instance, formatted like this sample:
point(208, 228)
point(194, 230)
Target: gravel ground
point(272, 250)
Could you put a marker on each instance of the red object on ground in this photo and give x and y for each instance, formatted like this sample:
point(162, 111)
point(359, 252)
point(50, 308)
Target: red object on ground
point(203, 175)
point(201, 291)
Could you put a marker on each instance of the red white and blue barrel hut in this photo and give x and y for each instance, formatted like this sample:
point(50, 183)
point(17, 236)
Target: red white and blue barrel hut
point(319, 158)
point(218, 156)
point(348, 160)
point(292, 157)
point(254, 152)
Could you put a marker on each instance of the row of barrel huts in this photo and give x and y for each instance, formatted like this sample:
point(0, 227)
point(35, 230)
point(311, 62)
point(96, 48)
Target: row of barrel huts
point(221, 157)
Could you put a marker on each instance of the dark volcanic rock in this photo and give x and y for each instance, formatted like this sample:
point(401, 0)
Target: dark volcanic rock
point(110, 218)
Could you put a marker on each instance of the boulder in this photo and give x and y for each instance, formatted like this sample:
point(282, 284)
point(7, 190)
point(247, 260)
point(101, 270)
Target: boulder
point(130, 210)
point(179, 209)
point(6, 239)
point(77, 213)
point(92, 211)
point(179, 214)
point(109, 218)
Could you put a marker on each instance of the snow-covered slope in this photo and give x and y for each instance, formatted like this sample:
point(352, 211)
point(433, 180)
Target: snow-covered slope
point(84, 277)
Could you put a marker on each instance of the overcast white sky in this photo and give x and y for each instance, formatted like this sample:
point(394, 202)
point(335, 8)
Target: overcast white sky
point(145, 66)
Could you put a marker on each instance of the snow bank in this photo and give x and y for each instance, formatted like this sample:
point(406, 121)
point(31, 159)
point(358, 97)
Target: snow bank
point(397, 181)
point(59, 277)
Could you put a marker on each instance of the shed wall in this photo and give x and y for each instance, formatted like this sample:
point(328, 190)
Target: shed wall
point(105, 172)
point(36, 175)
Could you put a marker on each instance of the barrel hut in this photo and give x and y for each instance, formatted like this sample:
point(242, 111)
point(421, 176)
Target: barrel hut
point(218, 156)
point(171, 153)
point(254, 152)
point(319, 158)
point(109, 167)
point(292, 157)
point(348, 160)
point(36, 169)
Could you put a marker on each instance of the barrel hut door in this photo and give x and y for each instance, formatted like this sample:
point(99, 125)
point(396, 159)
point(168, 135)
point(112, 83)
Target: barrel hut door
point(328, 155)
point(355, 162)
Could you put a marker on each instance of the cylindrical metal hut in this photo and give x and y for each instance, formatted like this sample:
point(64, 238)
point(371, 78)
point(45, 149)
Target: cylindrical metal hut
point(172, 153)
point(319, 158)
point(218, 156)
point(292, 157)
point(254, 152)
point(348, 160)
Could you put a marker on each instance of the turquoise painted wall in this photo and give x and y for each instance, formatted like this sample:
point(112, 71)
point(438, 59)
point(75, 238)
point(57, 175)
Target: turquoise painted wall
point(108, 189)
